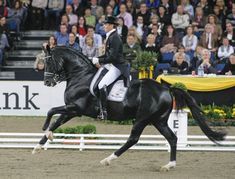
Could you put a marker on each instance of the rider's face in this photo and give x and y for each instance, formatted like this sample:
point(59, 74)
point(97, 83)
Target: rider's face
point(108, 27)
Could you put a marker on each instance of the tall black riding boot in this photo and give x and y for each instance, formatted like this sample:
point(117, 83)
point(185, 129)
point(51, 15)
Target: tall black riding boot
point(103, 103)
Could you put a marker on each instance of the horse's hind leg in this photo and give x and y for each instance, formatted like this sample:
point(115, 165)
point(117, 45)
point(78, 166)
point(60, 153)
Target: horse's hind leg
point(136, 131)
point(58, 122)
point(164, 129)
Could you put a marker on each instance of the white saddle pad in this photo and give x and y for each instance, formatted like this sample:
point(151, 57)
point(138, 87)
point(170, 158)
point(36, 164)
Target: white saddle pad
point(118, 92)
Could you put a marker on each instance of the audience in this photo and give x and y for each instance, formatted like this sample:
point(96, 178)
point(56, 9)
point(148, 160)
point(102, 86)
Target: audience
point(229, 68)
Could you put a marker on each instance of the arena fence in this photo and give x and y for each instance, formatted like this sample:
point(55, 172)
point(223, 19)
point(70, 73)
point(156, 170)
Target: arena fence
point(111, 141)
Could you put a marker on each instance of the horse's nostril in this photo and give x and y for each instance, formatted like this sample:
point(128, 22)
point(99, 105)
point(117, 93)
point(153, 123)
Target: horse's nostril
point(47, 82)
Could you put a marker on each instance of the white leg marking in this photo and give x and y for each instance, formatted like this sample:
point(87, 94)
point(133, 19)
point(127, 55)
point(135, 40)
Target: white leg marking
point(107, 161)
point(167, 167)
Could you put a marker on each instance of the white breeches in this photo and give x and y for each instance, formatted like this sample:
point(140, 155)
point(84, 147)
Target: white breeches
point(112, 74)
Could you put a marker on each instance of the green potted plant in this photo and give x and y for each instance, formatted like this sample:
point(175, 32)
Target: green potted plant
point(144, 62)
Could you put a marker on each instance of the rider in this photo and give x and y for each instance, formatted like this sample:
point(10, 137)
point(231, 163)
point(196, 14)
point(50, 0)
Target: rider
point(113, 60)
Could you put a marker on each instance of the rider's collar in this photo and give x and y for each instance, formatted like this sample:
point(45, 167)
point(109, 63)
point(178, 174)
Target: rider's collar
point(110, 32)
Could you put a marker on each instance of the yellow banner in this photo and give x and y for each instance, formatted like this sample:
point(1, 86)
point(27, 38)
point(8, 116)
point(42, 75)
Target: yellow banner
point(194, 83)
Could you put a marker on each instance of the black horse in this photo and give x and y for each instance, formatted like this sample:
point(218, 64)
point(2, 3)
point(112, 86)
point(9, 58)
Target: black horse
point(146, 101)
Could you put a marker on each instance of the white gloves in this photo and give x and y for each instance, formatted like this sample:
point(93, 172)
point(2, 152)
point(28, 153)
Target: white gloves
point(95, 60)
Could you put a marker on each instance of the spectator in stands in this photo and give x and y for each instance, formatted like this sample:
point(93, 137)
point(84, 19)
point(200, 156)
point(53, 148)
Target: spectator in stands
point(169, 44)
point(154, 20)
point(169, 7)
point(96, 10)
point(164, 19)
point(141, 29)
point(109, 10)
point(3, 9)
point(90, 19)
point(65, 20)
point(190, 42)
point(99, 28)
point(73, 18)
point(180, 64)
point(220, 16)
point(51, 42)
point(97, 39)
point(131, 8)
point(74, 30)
point(144, 13)
point(54, 8)
point(217, 29)
point(188, 8)
point(5, 30)
point(132, 30)
point(15, 16)
point(231, 17)
point(62, 36)
point(89, 49)
point(122, 29)
point(115, 7)
point(207, 8)
point(128, 20)
point(221, 5)
point(72, 43)
point(230, 33)
point(82, 27)
point(78, 8)
point(208, 40)
point(150, 46)
point(180, 21)
point(229, 68)
point(199, 21)
point(206, 62)
point(225, 50)
point(131, 48)
point(181, 50)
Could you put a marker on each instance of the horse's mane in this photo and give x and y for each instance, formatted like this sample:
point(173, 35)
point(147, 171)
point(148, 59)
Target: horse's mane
point(60, 51)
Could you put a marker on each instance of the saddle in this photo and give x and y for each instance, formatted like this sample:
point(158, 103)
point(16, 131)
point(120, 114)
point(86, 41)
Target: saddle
point(116, 90)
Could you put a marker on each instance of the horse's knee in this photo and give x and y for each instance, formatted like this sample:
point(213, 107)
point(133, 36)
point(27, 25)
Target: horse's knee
point(133, 140)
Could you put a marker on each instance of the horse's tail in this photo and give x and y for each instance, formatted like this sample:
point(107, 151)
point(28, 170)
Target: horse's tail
point(182, 99)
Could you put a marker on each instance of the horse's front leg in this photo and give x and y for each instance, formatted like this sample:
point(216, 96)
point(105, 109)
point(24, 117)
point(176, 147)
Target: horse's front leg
point(57, 110)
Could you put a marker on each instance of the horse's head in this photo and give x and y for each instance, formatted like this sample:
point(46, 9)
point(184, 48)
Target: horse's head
point(52, 68)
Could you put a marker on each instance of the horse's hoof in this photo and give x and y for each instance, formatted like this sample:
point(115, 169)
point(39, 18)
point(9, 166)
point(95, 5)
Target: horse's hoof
point(37, 149)
point(49, 135)
point(164, 169)
point(167, 167)
point(105, 162)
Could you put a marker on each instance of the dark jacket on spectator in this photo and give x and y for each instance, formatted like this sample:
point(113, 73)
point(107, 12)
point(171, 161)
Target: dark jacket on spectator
point(228, 67)
point(183, 67)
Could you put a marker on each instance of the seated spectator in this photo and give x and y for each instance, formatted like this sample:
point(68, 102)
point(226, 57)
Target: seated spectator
point(199, 21)
point(99, 28)
point(109, 11)
point(75, 31)
point(115, 8)
point(180, 64)
point(206, 62)
point(207, 8)
point(180, 21)
point(231, 17)
point(144, 13)
point(52, 13)
point(154, 20)
point(65, 21)
point(122, 29)
point(89, 49)
point(164, 19)
point(73, 18)
point(15, 16)
point(154, 31)
point(71, 43)
point(230, 33)
point(78, 7)
point(217, 29)
point(82, 27)
point(96, 10)
point(51, 42)
point(131, 8)
point(128, 19)
point(3, 9)
point(220, 16)
point(181, 51)
point(229, 68)
point(90, 19)
point(5, 30)
point(190, 41)
point(188, 8)
point(131, 48)
point(169, 44)
point(132, 30)
point(208, 40)
point(225, 50)
point(62, 36)
point(150, 45)
point(169, 5)
point(141, 29)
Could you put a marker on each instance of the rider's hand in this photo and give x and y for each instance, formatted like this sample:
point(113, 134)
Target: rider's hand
point(95, 60)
